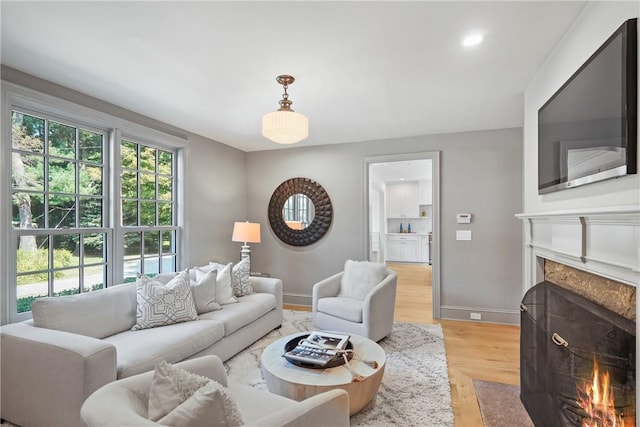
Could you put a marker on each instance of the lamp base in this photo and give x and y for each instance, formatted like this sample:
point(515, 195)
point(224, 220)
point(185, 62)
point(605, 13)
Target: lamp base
point(245, 252)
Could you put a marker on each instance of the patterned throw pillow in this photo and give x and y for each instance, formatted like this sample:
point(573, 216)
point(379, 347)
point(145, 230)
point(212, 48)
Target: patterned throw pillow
point(160, 305)
point(241, 278)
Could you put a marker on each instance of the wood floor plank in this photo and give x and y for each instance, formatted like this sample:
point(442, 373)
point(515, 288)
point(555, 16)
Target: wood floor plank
point(474, 350)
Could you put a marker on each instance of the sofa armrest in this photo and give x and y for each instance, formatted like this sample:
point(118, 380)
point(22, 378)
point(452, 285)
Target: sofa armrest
point(330, 408)
point(47, 374)
point(325, 288)
point(268, 285)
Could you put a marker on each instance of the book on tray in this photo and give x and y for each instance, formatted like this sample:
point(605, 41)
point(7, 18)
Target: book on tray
point(319, 348)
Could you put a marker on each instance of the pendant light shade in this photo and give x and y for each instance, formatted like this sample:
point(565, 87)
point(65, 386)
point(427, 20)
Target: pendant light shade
point(285, 126)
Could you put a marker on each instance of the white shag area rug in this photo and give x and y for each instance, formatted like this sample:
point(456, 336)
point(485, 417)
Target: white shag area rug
point(415, 386)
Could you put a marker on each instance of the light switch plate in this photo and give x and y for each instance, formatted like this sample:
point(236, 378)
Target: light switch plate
point(463, 234)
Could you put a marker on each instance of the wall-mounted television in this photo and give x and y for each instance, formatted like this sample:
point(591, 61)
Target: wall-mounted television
point(587, 131)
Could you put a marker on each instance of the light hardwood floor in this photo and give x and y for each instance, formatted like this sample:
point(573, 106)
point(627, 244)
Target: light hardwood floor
point(474, 350)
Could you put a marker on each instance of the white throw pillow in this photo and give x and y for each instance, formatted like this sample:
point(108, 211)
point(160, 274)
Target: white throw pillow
point(160, 305)
point(360, 277)
point(224, 292)
point(204, 291)
point(181, 398)
point(240, 277)
point(170, 387)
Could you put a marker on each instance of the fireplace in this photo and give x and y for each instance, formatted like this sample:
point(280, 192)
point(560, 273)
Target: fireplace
point(566, 325)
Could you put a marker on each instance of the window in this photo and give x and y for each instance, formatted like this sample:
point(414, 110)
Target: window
point(148, 209)
point(86, 212)
point(57, 193)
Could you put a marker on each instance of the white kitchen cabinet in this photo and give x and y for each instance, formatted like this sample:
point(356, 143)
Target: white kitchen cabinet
point(402, 200)
point(403, 248)
point(424, 248)
point(425, 192)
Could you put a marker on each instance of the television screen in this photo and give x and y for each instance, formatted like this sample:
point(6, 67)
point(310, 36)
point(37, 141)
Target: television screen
point(587, 131)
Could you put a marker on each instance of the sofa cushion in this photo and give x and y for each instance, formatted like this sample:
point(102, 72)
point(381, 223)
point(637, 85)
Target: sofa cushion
point(345, 308)
point(360, 277)
point(138, 351)
point(249, 308)
point(161, 305)
point(103, 312)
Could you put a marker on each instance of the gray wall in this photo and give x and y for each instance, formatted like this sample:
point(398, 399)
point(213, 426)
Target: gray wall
point(481, 173)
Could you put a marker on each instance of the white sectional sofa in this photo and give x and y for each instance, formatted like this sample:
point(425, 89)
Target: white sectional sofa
point(85, 341)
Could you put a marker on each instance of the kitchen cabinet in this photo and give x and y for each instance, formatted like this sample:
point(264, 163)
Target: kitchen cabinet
point(402, 200)
point(403, 248)
point(425, 192)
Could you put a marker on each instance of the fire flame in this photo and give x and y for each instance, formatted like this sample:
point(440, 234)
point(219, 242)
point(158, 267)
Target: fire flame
point(596, 399)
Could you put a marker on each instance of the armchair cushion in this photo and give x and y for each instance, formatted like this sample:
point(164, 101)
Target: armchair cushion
point(345, 308)
point(208, 406)
point(360, 277)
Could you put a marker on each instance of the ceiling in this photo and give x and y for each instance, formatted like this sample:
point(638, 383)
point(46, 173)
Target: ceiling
point(364, 70)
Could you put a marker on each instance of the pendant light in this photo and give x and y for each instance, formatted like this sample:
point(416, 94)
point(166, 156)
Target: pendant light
point(285, 126)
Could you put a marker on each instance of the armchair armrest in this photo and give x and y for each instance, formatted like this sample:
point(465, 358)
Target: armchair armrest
point(379, 306)
point(325, 288)
point(48, 374)
point(330, 408)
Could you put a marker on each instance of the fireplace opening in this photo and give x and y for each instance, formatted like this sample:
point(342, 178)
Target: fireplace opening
point(562, 333)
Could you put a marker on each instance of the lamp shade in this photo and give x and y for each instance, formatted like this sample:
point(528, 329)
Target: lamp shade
point(285, 127)
point(246, 232)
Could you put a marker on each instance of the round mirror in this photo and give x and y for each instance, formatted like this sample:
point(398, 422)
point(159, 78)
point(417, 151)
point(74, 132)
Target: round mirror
point(300, 212)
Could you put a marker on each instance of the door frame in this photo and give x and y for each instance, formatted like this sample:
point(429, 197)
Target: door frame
point(435, 182)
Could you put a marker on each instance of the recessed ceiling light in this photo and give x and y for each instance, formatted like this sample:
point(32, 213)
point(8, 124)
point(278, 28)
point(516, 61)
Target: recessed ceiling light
point(472, 40)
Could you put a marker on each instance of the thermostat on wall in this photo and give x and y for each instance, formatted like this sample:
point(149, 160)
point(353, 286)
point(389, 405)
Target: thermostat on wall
point(464, 218)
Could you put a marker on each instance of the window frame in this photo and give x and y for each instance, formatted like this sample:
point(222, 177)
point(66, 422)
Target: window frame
point(16, 97)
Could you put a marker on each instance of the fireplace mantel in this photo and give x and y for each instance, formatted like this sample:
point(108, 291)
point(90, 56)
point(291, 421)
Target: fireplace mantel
point(603, 241)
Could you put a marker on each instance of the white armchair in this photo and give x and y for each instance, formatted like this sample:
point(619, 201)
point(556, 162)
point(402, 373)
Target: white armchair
point(125, 402)
point(359, 300)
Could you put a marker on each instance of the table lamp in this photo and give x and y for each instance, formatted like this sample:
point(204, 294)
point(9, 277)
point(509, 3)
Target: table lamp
point(246, 232)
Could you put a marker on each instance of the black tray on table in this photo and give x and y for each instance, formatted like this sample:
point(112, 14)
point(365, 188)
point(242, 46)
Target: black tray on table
point(336, 361)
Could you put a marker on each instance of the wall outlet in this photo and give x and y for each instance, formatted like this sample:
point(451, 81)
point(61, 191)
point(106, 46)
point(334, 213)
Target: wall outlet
point(476, 316)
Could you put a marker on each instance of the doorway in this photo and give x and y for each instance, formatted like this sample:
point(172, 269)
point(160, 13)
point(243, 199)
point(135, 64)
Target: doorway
point(385, 187)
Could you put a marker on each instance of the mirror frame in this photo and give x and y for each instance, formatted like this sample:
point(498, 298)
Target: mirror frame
point(321, 203)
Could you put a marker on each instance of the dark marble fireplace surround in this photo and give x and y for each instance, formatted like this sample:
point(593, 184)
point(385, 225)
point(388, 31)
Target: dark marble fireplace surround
point(567, 320)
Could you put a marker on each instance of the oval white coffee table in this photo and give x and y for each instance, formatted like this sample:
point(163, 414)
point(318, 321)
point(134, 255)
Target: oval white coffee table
point(298, 383)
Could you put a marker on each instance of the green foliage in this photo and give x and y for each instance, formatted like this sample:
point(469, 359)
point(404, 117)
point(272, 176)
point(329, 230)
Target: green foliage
point(39, 260)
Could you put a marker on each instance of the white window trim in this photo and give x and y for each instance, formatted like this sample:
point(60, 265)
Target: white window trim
point(16, 96)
